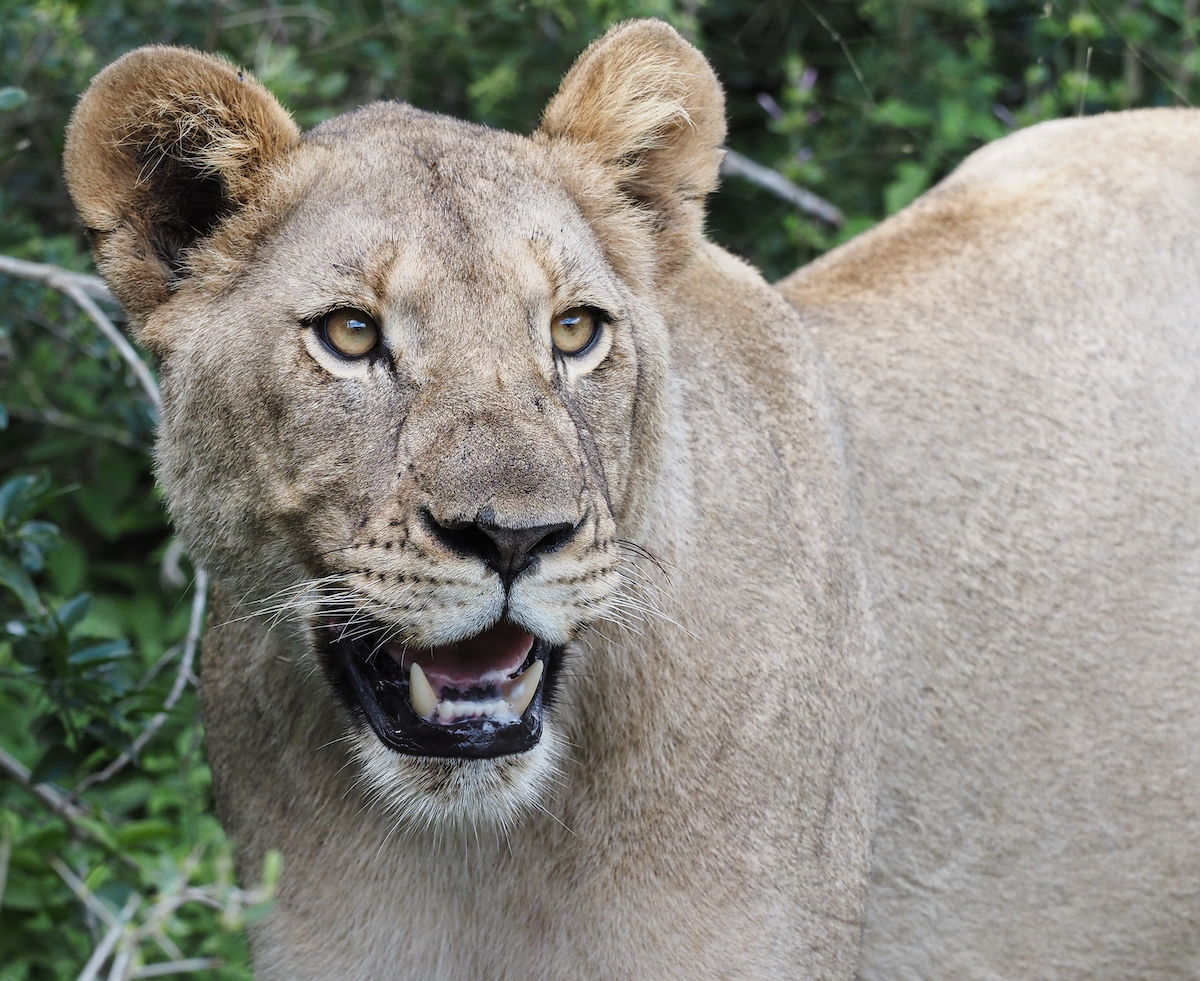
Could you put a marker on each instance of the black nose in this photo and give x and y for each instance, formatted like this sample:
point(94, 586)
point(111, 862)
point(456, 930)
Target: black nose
point(509, 551)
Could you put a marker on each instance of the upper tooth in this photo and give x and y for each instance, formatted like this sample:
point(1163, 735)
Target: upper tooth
point(525, 688)
point(424, 702)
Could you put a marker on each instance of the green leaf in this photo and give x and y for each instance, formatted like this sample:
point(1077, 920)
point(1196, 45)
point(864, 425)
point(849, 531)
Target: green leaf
point(3, 416)
point(73, 611)
point(252, 914)
point(911, 179)
point(20, 495)
point(109, 651)
point(97, 877)
point(139, 832)
point(56, 762)
point(102, 832)
point(11, 98)
point(272, 867)
point(17, 579)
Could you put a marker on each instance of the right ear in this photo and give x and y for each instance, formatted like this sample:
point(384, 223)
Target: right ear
point(165, 145)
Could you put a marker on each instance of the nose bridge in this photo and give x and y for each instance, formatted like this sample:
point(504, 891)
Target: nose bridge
point(496, 452)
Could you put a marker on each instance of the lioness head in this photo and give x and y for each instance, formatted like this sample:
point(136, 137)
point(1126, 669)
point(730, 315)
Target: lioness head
point(413, 374)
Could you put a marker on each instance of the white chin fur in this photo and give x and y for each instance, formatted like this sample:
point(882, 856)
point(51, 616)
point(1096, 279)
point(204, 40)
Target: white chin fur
point(447, 795)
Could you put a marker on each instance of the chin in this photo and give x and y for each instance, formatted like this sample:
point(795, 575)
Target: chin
point(455, 795)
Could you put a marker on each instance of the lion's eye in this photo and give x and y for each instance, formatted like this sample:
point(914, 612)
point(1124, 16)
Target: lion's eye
point(574, 331)
point(351, 333)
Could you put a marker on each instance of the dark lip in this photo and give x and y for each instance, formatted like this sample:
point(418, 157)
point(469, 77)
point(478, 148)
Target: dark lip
point(374, 687)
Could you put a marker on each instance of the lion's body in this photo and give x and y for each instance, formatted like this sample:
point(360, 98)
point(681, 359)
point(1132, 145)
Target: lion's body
point(915, 693)
point(1017, 366)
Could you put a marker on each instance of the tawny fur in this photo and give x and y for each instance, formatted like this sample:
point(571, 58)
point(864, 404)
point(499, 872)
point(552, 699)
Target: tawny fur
point(910, 688)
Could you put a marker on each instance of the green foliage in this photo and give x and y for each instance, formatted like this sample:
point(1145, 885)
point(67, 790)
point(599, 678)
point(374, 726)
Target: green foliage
point(868, 103)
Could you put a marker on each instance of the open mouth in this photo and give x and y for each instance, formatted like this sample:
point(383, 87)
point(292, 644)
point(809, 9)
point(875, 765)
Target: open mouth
point(477, 698)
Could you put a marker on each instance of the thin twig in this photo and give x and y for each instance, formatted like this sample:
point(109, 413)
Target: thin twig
point(71, 811)
point(105, 947)
point(47, 793)
point(5, 852)
point(176, 967)
point(182, 676)
point(109, 329)
point(841, 42)
point(254, 16)
point(50, 416)
point(120, 963)
point(1087, 70)
point(82, 289)
point(1134, 50)
point(82, 892)
point(162, 662)
point(56, 277)
point(736, 165)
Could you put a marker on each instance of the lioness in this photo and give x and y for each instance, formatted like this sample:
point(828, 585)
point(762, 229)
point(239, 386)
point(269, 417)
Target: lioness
point(589, 610)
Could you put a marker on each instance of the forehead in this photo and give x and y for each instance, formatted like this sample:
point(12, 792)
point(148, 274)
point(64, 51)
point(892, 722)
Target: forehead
point(392, 193)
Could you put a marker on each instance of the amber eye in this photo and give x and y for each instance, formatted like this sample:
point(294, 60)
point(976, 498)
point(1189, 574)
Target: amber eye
point(350, 332)
point(573, 331)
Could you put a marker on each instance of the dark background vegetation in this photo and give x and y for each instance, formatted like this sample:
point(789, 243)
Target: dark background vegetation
point(866, 103)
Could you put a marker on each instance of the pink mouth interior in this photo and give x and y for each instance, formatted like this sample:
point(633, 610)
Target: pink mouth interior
point(483, 661)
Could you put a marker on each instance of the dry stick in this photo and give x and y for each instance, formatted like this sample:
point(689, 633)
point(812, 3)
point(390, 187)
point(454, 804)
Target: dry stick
point(841, 42)
point(736, 165)
point(47, 793)
point(1087, 68)
point(105, 947)
point(5, 852)
point(81, 289)
point(50, 416)
point(176, 967)
point(109, 329)
point(82, 892)
point(191, 642)
point(1135, 51)
point(56, 276)
point(59, 802)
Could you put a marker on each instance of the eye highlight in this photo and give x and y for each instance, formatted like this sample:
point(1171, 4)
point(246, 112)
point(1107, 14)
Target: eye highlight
point(574, 331)
point(350, 333)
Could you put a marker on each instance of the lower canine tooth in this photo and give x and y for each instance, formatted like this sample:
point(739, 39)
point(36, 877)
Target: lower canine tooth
point(525, 688)
point(424, 702)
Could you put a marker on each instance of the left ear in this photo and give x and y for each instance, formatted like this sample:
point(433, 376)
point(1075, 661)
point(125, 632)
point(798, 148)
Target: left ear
point(645, 106)
point(166, 146)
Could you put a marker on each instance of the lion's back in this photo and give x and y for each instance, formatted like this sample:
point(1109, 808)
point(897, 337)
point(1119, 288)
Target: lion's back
point(1017, 358)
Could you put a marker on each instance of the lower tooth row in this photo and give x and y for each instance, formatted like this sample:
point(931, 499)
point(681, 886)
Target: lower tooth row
point(448, 711)
point(519, 693)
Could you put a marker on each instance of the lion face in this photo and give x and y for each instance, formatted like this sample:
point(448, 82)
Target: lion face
point(414, 384)
point(446, 379)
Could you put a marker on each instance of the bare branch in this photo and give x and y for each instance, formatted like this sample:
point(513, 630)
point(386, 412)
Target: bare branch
point(51, 416)
point(190, 644)
point(736, 165)
point(5, 852)
point(56, 277)
point(47, 793)
point(82, 289)
point(82, 892)
point(176, 967)
point(124, 348)
point(105, 947)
